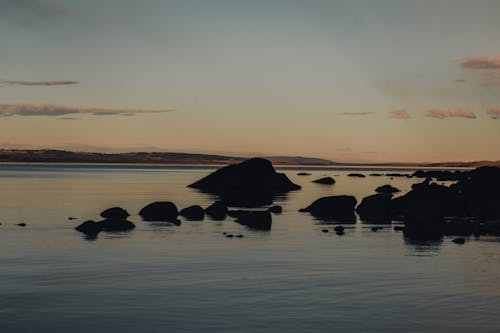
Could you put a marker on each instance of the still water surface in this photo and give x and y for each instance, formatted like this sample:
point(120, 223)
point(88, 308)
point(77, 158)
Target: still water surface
point(164, 278)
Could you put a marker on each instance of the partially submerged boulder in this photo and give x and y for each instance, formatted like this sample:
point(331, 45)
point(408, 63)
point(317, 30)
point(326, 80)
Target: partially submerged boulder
point(217, 210)
point(89, 228)
point(261, 220)
point(115, 213)
point(159, 211)
point(303, 174)
point(251, 183)
point(375, 208)
point(389, 189)
point(194, 213)
point(115, 225)
point(338, 207)
point(359, 175)
point(325, 181)
point(275, 209)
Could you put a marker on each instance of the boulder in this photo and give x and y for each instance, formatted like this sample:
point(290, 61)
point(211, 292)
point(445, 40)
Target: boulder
point(195, 213)
point(217, 210)
point(159, 211)
point(339, 228)
point(387, 189)
point(459, 240)
point(115, 213)
point(376, 175)
point(303, 174)
point(375, 208)
point(440, 175)
point(275, 209)
point(339, 207)
point(359, 175)
point(115, 225)
point(325, 181)
point(261, 220)
point(251, 183)
point(89, 228)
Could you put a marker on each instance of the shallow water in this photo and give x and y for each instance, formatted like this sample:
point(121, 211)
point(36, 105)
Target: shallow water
point(164, 278)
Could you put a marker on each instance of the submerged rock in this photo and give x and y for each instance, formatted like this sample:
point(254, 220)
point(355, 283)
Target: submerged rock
point(387, 189)
point(217, 210)
point(339, 207)
point(303, 174)
point(89, 228)
point(325, 181)
point(159, 211)
point(261, 220)
point(115, 225)
point(21, 224)
point(375, 208)
point(195, 213)
point(115, 213)
point(459, 240)
point(251, 183)
point(360, 175)
point(275, 209)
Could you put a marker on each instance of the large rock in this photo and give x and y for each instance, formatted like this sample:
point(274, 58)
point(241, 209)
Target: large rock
point(115, 225)
point(375, 208)
point(251, 183)
point(115, 213)
point(325, 181)
point(195, 213)
point(159, 211)
point(387, 189)
point(261, 220)
point(217, 210)
point(339, 207)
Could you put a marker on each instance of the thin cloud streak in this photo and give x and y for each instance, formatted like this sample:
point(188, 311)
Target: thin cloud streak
point(494, 113)
point(37, 83)
point(356, 113)
point(50, 110)
point(399, 114)
point(480, 62)
point(457, 113)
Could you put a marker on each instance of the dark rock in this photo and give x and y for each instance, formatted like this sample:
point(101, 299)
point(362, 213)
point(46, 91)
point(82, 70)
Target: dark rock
point(339, 228)
point(72, 218)
point(375, 208)
point(387, 189)
point(324, 230)
point(195, 213)
point(238, 213)
point(339, 207)
point(239, 236)
point(229, 235)
point(325, 181)
point(217, 210)
point(375, 175)
point(159, 211)
point(440, 175)
point(21, 224)
point(375, 229)
point(399, 228)
point(275, 209)
point(115, 225)
point(398, 175)
point(261, 220)
point(115, 213)
point(89, 228)
point(303, 174)
point(340, 233)
point(459, 240)
point(251, 183)
point(359, 175)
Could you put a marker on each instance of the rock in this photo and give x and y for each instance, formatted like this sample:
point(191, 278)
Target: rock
point(89, 228)
point(115, 213)
point(239, 236)
point(251, 183)
point(303, 174)
point(398, 175)
point(115, 225)
point(339, 228)
point(399, 228)
point(459, 240)
point(375, 229)
point(325, 181)
point(324, 230)
point(21, 224)
point(339, 207)
point(375, 208)
point(275, 209)
point(195, 213)
point(237, 213)
point(217, 210)
point(340, 233)
point(229, 235)
point(387, 189)
point(159, 211)
point(359, 175)
point(261, 220)
point(440, 175)
point(375, 175)
point(72, 218)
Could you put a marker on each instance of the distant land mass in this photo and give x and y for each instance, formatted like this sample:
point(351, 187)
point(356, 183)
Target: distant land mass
point(63, 156)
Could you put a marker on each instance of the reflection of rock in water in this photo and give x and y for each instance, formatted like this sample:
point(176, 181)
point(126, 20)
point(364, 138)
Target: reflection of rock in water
point(423, 240)
point(251, 183)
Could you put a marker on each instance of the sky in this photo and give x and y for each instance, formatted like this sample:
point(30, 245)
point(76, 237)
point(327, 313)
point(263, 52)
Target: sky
point(350, 80)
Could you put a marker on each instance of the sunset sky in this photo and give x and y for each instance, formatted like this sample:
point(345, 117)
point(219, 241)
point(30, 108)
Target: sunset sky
point(352, 80)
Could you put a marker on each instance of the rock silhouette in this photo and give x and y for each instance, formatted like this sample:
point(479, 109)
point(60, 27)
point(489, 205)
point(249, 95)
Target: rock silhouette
point(387, 189)
point(325, 181)
point(303, 174)
point(275, 209)
point(261, 220)
point(159, 211)
point(115, 213)
point(339, 207)
point(251, 183)
point(217, 210)
point(89, 228)
point(93, 228)
point(375, 208)
point(359, 175)
point(440, 175)
point(195, 213)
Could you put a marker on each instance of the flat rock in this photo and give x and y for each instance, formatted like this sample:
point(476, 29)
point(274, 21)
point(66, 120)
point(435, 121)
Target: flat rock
point(325, 181)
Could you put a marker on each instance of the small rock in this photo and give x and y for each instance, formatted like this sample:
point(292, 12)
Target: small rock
point(324, 230)
point(339, 233)
point(459, 240)
point(325, 181)
point(399, 228)
point(359, 175)
point(229, 235)
point(275, 209)
point(159, 211)
point(195, 213)
point(72, 218)
point(89, 228)
point(375, 229)
point(240, 236)
point(303, 174)
point(115, 213)
point(217, 210)
point(339, 228)
point(21, 224)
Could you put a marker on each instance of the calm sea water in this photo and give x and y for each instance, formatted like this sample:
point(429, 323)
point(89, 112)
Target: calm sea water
point(164, 278)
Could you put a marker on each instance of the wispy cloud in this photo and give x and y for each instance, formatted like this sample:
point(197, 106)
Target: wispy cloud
point(491, 78)
point(480, 62)
point(37, 83)
point(50, 110)
point(456, 113)
point(494, 113)
point(459, 80)
point(355, 113)
point(399, 114)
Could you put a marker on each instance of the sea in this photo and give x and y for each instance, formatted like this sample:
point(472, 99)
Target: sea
point(161, 277)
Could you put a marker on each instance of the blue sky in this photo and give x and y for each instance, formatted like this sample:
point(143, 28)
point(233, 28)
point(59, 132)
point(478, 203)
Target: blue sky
point(345, 80)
